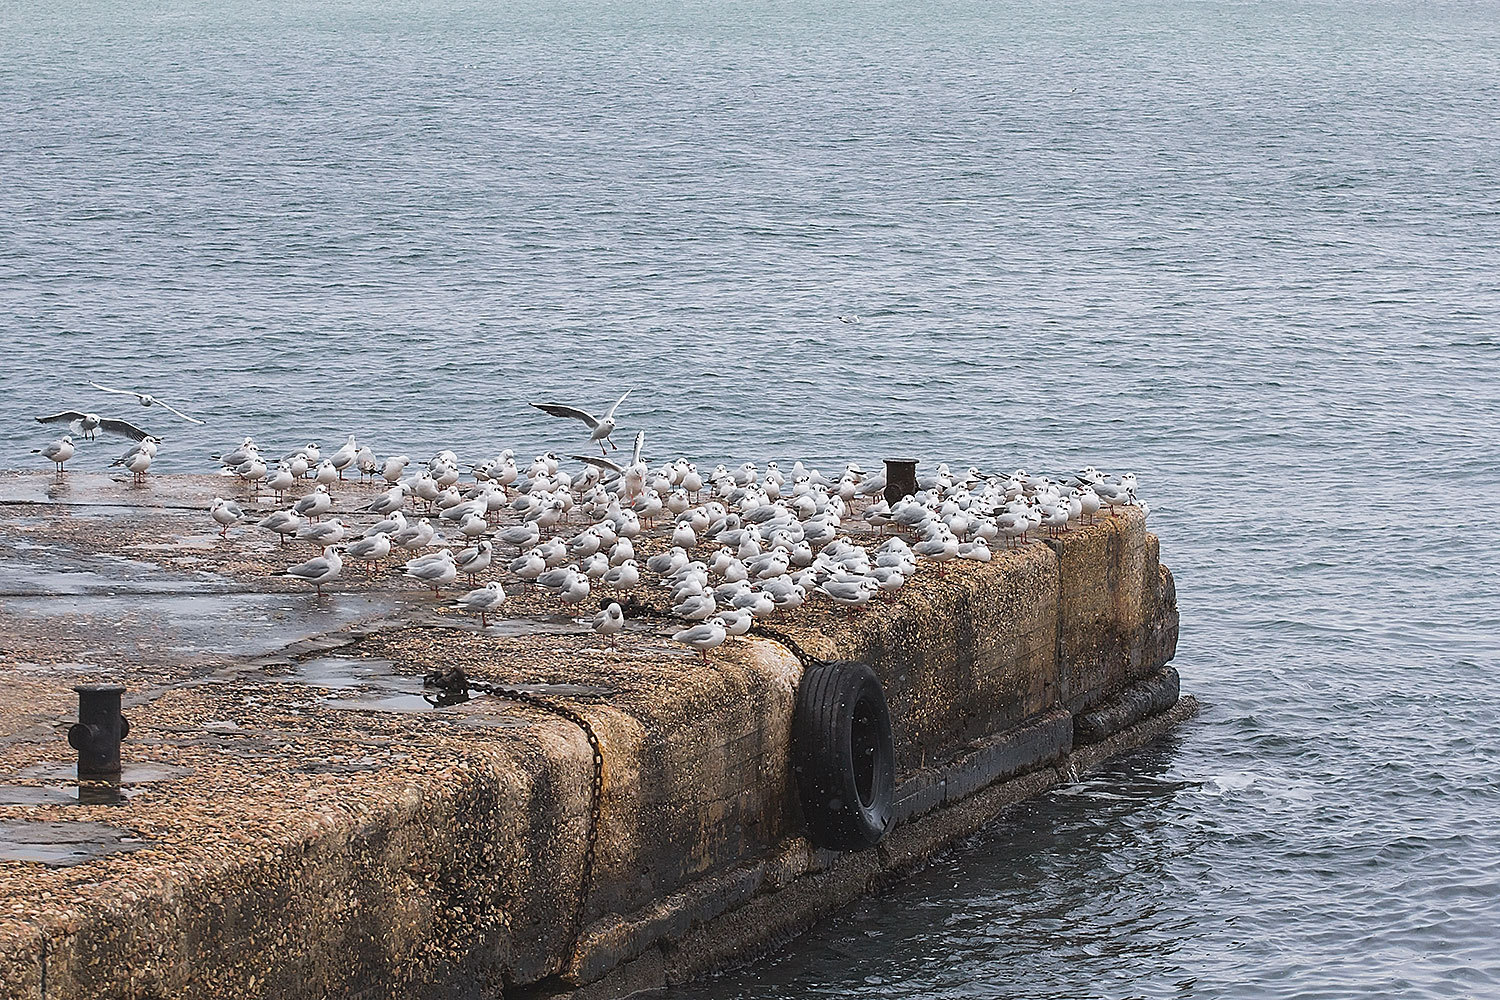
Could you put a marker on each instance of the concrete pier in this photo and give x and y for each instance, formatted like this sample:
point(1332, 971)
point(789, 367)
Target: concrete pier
point(295, 819)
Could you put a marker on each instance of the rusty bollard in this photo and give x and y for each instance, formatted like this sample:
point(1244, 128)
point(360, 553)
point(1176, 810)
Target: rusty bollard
point(900, 478)
point(100, 728)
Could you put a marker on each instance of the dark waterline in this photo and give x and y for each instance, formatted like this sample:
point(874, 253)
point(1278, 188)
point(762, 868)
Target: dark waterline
point(1248, 250)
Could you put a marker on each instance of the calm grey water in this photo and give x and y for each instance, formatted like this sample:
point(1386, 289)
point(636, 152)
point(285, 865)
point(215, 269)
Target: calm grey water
point(1251, 251)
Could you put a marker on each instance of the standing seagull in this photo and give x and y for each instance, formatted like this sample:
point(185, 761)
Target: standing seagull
point(226, 513)
point(610, 622)
point(318, 570)
point(601, 428)
point(146, 400)
point(57, 452)
point(486, 600)
point(87, 423)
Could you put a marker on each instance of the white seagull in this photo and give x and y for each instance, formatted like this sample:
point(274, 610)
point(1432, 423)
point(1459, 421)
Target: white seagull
point(601, 428)
point(226, 513)
point(147, 400)
point(57, 452)
point(436, 571)
point(486, 600)
point(319, 570)
point(703, 636)
point(86, 424)
point(610, 622)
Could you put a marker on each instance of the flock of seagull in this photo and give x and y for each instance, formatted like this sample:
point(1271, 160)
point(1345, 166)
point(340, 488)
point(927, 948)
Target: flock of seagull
point(740, 544)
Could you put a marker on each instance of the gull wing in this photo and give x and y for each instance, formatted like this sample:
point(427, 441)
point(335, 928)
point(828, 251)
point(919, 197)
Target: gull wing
point(65, 417)
point(117, 392)
point(123, 427)
point(572, 412)
point(598, 463)
point(640, 442)
point(612, 409)
point(184, 416)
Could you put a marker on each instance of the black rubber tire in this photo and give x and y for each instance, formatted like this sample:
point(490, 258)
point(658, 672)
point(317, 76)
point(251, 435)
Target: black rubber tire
point(843, 756)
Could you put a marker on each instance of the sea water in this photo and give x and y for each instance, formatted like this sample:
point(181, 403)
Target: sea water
point(1250, 251)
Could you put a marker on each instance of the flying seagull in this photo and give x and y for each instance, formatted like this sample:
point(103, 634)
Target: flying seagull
point(602, 428)
point(87, 423)
point(611, 466)
point(146, 400)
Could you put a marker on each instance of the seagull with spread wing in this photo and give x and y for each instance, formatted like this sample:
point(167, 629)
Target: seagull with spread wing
point(87, 424)
point(601, 428)
point(146, 400)
point(608, 465)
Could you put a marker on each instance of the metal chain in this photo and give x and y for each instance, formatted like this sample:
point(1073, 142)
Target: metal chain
point(591, 839)
point(457, 686)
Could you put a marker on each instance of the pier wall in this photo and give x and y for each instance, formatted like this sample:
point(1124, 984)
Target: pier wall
point(457, 872)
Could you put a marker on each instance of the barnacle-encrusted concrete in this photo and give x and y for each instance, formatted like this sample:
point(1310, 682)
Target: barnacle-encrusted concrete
point(298, 822)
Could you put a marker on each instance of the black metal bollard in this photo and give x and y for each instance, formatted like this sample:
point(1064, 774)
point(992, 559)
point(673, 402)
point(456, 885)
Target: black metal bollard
point(100, 728)
point(900, 478)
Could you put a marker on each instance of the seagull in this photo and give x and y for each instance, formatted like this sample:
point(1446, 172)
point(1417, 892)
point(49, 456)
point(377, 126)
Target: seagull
point(737, 621)
point(601, 428)
point(436, 571)
point(370, 548)
point(366, 462)
point(319, 570)
point(147, 400)
point(57, 452)
point(87, 424)
point(309, 453)
point(414, 536)
point(239, 456)
point(475, 559)
point(138, 464)
point(390, 526)
point(326, 474)
point(703, 636)
point(315, 504)
point(283, 522)
point(696, 608)
point(486, 600)
point(391, 470)
point(148, 444)
point(609, 466)
point(344, 457)
point(281, 480)
point(1088, 501)
point(227, 513)
point(610, 622)
point(323, 534)
point(388, 502)
point(624, 576)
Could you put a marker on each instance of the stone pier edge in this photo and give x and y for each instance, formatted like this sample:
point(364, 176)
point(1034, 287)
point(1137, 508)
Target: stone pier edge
point(736, 916)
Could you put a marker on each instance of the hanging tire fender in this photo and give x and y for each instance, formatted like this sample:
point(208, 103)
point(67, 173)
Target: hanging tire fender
point(843, 756)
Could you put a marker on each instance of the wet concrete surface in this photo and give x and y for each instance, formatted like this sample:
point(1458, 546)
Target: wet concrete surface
point(234, 674)
point(61, 844)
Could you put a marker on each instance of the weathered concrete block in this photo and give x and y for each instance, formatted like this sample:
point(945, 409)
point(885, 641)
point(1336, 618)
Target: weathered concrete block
point(960, 658)
point(770, 918)
point(1109, 593)
point(710, 783)
point(460, 870)
point(1017, 751)
point(21, 961)
point(615, 940)
point(1142, 699)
